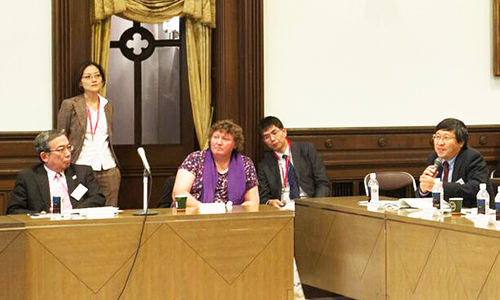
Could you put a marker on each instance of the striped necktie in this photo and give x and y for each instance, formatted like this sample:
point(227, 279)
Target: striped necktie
point(292, 180)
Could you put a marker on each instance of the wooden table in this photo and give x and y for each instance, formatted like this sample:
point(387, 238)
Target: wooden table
point(343, 248)
point(244, 254)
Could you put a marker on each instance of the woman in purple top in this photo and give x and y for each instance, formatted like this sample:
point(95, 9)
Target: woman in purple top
point(220, 173)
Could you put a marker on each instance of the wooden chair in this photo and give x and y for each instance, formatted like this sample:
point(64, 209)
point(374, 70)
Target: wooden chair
point(394, 184)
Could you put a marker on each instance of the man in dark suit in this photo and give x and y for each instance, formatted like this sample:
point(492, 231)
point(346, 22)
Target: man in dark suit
point(35, 186)
point(291, 170)
point(463, 168)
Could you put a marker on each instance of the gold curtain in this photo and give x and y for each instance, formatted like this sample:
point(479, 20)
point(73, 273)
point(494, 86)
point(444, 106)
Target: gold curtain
point(200, 19)
point(100, 46)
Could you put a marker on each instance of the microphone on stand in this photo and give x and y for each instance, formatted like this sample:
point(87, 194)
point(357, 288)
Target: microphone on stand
point(142, 155)
point(437, 163)
point(147, 173)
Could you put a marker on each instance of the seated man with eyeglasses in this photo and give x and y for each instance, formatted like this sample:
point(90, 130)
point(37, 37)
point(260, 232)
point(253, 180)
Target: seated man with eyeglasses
point(35, 186)
point(463, 168)
point(291, 170)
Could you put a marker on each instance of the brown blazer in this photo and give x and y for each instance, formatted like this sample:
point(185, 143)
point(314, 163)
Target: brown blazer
point(72, 118)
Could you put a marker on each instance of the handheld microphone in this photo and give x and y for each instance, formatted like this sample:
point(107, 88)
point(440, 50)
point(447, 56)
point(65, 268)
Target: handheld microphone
point(437, 163)
point(142, 154)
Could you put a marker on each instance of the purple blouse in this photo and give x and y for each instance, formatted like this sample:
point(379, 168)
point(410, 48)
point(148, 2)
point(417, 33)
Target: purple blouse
point(194, 164)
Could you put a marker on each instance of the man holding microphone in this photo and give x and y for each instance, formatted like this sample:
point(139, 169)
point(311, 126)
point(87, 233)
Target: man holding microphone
point(461, 168)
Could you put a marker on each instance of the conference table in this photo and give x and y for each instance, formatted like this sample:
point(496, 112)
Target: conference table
point(245, 253)
point(342, 247)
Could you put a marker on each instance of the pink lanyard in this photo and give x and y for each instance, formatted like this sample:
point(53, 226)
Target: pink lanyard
point(94, 130)
point(284, 173)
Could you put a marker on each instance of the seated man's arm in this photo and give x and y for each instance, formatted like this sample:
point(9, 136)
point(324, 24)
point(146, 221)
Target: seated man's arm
point(321, 181)
point(265, 194)
point(476, 173)
point(18, 203)
point(93, 197)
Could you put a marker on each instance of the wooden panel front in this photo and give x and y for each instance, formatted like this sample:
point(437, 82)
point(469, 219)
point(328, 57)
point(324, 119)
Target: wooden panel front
point(239, 255)
point(425, 262)
point(341, 252)
point(445, 257)
point(12, 262)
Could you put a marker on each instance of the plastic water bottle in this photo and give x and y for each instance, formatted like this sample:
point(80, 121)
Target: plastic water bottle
point(57, 201)
point(373, 187)
point(483, 200)
point(437, 193)
point(497, 204)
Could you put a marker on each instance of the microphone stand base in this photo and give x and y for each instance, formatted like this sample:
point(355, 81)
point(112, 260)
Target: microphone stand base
point(145, 213)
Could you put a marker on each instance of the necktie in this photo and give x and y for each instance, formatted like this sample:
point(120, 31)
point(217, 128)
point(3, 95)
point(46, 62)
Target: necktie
point(64, 189)
point(445, 171)
point(292, 180)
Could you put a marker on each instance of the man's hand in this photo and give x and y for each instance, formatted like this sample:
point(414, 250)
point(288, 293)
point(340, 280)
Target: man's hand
point(427, 179)
point(275, 203)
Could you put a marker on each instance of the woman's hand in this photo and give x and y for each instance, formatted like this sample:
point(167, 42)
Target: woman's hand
point(184, 181)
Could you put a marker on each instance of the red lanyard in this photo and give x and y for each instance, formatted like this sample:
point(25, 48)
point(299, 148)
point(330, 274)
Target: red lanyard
point(93, 130)
point(284, 173)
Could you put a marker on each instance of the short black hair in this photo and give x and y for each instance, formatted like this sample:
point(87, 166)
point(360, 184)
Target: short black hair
point(269, 121)
point(82, 68)
point(457, 126)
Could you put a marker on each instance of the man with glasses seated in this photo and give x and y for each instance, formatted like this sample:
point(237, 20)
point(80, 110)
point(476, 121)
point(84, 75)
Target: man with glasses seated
point(35, 186)
point(291, 170)
point(463, 168)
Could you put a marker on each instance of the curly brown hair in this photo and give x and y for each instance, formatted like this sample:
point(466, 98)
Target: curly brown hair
point(232, 128)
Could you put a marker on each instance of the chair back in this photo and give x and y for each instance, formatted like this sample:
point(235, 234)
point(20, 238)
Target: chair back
point(165, 200)
point(394, 181)
point(495, 183)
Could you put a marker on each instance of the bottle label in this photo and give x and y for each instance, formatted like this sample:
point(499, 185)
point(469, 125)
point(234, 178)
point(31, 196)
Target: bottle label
point(436, 200)
point(373, 192)
point(56, 205)
point(481, 206)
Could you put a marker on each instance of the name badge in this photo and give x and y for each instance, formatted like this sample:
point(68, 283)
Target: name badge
point(79, 192)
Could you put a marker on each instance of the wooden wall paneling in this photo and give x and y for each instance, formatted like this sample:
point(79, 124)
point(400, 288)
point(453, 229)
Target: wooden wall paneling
point(239, 67)
point(252, 74)
point(71, 46)
point(16, 153)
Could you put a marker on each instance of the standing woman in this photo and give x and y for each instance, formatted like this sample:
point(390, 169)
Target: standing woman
point(88, 119)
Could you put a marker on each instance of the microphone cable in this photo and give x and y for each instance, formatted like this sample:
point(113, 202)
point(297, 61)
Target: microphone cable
point(150, 176)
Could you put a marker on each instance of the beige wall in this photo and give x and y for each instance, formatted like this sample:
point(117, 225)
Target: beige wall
point(26, 76)
point(352, 58)
point(353, 63)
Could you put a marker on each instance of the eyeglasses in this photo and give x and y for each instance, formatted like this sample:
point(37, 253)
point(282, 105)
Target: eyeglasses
point(88, 76)
point(273, 134)
point(446, 138)
point(62, 149)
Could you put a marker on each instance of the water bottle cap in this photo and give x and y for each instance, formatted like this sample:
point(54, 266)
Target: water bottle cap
point(498, 189)
point(482, 186)
point(373, 175)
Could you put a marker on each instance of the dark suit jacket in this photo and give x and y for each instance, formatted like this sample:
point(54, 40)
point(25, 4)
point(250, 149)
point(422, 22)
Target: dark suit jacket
point(471, 167)
point(73, 118)
point(31, 193)
point(309, 167)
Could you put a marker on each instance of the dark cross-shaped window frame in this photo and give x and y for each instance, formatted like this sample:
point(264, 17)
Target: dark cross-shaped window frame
point(150, 43)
